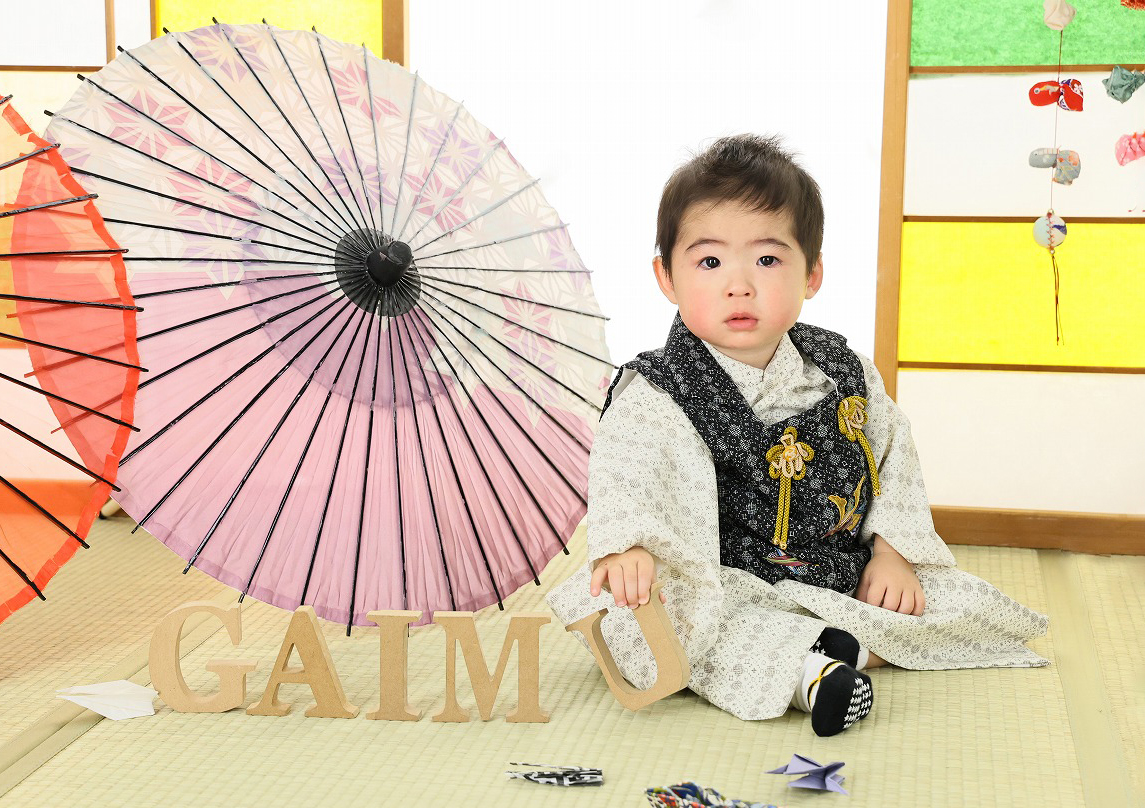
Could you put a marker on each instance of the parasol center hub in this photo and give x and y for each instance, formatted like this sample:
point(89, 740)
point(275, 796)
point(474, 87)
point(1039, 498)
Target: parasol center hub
point(387, 266)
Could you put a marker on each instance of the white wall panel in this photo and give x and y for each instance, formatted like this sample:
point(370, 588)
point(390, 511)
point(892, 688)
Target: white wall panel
point(132, 22)
point(1038, 441)
point(62, 32)
point(601, 100)
point(969, 138)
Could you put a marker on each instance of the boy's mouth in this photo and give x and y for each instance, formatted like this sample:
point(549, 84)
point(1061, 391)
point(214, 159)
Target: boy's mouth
point(739, 321)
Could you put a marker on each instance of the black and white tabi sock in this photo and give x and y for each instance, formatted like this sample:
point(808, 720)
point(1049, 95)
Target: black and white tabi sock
point(834, 693)
point(841, 645)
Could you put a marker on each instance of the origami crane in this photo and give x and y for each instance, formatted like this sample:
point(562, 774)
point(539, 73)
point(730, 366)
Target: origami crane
point(815, 775)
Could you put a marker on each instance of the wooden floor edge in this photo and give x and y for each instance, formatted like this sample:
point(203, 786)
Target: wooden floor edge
point(1097, 533)
point(67, 722)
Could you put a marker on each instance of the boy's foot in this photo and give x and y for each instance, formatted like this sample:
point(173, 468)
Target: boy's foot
point(834, 693)
point(840, 645)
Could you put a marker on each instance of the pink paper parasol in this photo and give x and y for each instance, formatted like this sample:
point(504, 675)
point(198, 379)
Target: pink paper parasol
point(375, 357)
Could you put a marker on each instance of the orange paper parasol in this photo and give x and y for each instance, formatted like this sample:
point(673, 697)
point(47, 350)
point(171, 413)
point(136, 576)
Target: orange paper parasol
point(63, 297)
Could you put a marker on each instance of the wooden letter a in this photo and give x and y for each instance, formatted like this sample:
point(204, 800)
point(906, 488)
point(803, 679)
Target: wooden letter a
point(317, 671)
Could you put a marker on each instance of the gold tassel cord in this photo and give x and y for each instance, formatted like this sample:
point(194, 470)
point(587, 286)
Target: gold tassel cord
point(852, 417)
point(782, 519)
point(788, 459)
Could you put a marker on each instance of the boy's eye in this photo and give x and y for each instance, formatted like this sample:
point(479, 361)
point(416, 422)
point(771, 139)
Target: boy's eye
point(768, 260)
point(711, 262)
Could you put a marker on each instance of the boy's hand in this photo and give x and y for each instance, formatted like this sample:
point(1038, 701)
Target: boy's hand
point(889, 581)
point(627, 575)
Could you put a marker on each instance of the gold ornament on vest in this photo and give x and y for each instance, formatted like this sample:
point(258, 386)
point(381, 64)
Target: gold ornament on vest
point(788, 460)
point(852, 418)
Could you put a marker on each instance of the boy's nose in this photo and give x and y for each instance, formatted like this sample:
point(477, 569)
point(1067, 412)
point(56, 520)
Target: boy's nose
point(739, 285)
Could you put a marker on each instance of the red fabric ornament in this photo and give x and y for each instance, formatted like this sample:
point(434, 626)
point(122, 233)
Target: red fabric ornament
point(1067, 93)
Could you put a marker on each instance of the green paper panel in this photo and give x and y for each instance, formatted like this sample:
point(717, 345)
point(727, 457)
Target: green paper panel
point(987, 32)
point(983, 293)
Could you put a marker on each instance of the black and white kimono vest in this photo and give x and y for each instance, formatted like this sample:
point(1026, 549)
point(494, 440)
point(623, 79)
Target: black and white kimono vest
point(792, 496)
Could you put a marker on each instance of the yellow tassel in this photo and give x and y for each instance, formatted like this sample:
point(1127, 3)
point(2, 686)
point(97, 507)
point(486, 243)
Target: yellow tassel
point(852, 417)
point(788, 460)
point(783, 517)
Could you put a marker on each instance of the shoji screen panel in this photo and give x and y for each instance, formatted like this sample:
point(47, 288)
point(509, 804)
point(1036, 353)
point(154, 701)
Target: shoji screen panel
point(1005, 417)
point(354, 21)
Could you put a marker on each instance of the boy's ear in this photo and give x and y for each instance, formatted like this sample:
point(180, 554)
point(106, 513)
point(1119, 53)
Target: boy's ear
point(815, 279)
point(662, 279)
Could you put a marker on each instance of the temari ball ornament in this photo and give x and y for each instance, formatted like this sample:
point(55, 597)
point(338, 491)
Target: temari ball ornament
point(1049, 231)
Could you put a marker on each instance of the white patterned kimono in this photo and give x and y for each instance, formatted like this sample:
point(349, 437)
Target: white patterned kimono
point(652, 483)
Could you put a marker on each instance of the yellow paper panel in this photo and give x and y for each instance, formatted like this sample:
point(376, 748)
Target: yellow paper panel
point(984, 293)
point(355, 21)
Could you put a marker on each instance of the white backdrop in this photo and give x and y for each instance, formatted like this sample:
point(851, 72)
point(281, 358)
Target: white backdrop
point(601, 100)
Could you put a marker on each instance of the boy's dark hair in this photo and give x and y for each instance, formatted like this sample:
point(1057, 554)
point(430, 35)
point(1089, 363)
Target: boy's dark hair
point(750, 169)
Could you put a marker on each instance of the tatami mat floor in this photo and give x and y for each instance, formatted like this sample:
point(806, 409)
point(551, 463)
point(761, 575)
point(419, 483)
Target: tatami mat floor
point(1066, 735)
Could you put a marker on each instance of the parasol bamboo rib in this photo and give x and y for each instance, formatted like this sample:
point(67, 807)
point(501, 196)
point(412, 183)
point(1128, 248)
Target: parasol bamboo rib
point(221, 236)
point(554, 270)
point(161, 431)
point(43, 205)
point(21, 574)
point(338, 455)
point(517, 354)
point(269, 139)
point(366, 476)
point(274, 433)
point(42, 510)
point(561, 226)
point(189, 203)
point(516, 324)
point(239, 282)
point(543, 411)
point(461, 187)
point(290, 123)
point(540, 303)
point(56, 453)
point(28, 156)
point(56, 301)
point(306, 449)
point(481, 466)
point(477, 216)
point(374, 129)
point(78, 354)
point(198, 148)
point(67, 401)
point(432, 168)
point(405, 155)
point(349, 137)
point(237, 418)
point(234, 194)
point(449, 454)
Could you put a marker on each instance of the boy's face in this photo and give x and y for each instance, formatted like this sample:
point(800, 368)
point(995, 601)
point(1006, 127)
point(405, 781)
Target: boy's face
point(739, 278)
